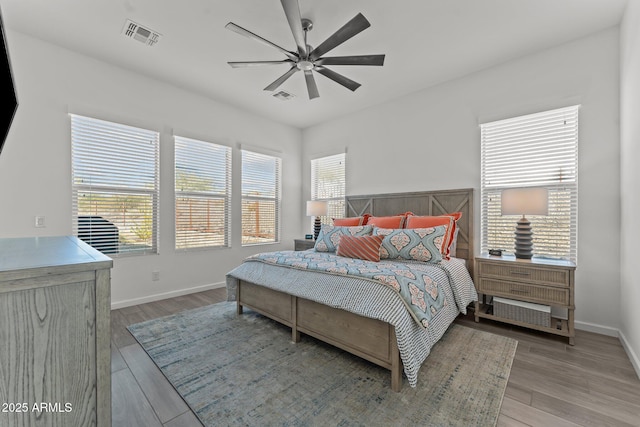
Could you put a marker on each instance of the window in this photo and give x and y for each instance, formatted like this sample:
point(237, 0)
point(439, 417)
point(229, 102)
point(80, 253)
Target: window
point(260, 198)
point(203, 194)
point(115, 186)
point(537, 150)
point(328, 183)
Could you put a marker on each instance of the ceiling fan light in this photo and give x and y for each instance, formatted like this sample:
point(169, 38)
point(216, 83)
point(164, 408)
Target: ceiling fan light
point(305, 65)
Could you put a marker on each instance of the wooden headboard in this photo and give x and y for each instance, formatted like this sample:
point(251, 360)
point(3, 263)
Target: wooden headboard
point(423, 203)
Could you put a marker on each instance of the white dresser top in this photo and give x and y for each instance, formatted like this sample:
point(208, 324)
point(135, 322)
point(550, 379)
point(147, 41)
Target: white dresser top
point(38, 252)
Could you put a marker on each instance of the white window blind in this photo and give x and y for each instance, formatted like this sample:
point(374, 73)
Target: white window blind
point(260, 198)
point(115, 186)
point(328, 183)
point(537, 150)
point(203, 194)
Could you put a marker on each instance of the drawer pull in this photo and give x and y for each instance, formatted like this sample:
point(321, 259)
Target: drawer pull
point(519, 291)
point(519, 273)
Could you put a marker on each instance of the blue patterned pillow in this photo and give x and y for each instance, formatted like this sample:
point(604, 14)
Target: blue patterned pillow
point(329, 236)
point(418, 244)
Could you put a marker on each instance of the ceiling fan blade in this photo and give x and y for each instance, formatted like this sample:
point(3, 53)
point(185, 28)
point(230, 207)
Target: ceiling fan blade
point(312, 88)
point(338, 78)
point(292, 10)
point(244, 64)
point(276, 84)
point(238, 29)
point(348, 30)
point(352, 60)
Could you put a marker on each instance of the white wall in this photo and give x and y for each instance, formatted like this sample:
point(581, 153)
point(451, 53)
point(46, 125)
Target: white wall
point(36, 161)
point(420, 135)
point(630, 180)
point(430, 140)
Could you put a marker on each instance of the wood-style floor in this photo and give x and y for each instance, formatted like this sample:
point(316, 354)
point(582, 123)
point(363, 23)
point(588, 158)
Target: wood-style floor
point(551, 384)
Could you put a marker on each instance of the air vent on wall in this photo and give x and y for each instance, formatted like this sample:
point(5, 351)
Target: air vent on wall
point(283, 96)
point(140, 33)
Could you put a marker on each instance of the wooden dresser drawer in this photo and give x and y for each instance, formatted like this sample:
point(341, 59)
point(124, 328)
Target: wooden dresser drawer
point(549, 295)
point(526, 273)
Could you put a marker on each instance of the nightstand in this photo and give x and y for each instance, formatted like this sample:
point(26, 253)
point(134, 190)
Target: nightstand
point(303, 244)
point(537, 281)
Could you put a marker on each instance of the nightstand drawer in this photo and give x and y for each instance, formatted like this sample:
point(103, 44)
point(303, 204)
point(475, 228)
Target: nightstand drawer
point(526, 273)
point(542, 294)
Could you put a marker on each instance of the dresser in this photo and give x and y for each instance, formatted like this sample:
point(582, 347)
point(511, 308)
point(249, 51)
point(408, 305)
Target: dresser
point(55, 353)
point(538, 282)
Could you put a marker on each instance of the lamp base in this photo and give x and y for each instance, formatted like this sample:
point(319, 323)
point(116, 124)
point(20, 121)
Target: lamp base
point(316, 228)
point(524, 239)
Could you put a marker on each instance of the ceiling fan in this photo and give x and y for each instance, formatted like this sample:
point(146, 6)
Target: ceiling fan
point(308, 59)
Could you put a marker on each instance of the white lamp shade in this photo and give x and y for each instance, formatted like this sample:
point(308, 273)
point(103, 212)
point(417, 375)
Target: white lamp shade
point(317, 208)
point(525, 201)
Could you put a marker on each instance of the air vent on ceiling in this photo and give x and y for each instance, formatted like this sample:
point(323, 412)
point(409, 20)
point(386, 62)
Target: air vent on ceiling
point(142, 34)
point(283, 96)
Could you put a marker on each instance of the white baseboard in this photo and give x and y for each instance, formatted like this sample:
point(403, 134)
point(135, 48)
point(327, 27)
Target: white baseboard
point(598, 329)
point(613, 332)
point(635, 361)
point(165, 295)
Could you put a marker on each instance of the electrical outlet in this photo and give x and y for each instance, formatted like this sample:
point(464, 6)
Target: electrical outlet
point(155, 276)
point(39, 222)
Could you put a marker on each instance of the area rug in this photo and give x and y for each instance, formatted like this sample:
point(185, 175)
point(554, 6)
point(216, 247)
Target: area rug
point(244, 370)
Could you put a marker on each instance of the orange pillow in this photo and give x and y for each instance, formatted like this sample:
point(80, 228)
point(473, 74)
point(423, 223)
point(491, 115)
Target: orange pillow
point(418, 221)
point(353, 221)
point(454, 231)
point(387, 221)
point(349, 222)
point(448, 220)
point(361, 247)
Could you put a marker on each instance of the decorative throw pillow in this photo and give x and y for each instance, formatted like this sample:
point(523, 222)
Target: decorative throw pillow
point(361, 247)
point(418, 244)
point(395, 221)
point(448, 220)
point(349, 222)
point(329, 236)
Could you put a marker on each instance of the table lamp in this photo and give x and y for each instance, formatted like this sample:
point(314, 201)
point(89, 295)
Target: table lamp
point(317, 208)
point(524, 201)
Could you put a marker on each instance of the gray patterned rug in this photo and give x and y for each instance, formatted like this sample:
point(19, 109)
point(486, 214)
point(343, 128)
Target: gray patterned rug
point(244, 370)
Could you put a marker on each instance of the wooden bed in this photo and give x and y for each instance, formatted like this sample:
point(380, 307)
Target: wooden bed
point(365, 337)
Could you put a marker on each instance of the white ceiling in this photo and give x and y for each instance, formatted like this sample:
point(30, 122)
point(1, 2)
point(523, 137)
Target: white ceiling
point(426, 42)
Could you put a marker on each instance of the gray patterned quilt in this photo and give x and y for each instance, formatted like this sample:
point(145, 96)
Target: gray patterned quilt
point(437, 292)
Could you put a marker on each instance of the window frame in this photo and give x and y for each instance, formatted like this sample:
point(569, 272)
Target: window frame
point(196, 155)
point(336, 162)
point(91, 136)
point(276, 182)
point(533, 150)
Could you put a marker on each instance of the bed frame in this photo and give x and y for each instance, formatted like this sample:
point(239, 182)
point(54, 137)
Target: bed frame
point(371, 339)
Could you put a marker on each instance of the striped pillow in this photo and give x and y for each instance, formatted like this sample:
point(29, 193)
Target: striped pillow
point(361, 247)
